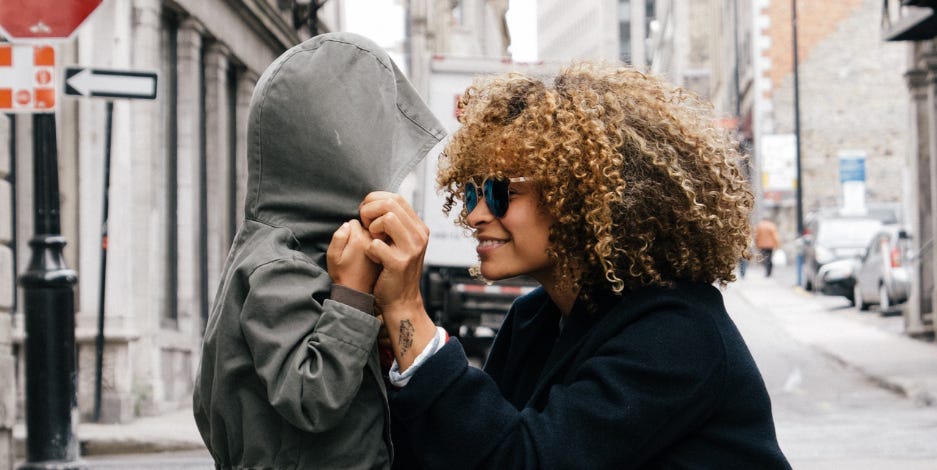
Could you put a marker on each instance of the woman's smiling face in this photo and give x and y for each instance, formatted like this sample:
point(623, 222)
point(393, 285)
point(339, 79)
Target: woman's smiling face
point(517, 243)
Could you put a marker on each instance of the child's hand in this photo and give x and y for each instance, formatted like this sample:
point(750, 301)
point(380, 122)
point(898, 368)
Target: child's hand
point(347, 264)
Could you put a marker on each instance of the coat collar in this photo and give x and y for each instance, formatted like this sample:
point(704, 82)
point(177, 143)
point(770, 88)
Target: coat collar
point(533, 354)
point(578, 324)
point(611, 314)
point(534, 349)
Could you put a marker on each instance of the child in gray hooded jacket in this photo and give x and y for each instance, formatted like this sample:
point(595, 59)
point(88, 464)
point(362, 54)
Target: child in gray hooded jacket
point(289, 374)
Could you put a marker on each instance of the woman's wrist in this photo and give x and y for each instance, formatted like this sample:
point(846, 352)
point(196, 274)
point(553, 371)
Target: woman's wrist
point(410, 331)
point(400, 378)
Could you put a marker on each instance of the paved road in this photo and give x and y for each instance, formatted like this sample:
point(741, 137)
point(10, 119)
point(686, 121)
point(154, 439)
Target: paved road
point(828, 416)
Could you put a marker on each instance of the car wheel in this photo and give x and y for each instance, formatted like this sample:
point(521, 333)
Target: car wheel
point(858, 301)
point(884, 302)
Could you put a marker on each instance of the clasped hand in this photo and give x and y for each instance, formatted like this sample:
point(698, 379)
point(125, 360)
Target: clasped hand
point(383, 255)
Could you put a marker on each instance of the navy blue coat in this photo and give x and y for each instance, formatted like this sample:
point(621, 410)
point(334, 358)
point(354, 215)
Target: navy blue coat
point(659, 378)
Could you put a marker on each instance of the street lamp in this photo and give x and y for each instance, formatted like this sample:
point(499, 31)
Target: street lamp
point(49, 312)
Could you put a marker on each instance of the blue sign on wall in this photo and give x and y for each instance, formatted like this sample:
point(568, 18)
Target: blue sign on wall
point(851, 169)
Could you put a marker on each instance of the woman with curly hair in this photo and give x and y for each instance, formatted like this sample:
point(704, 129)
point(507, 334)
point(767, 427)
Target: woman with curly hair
point(618, 194)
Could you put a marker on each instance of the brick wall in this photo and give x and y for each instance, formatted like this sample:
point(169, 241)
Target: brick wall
point(852, 94)
point(815, 22)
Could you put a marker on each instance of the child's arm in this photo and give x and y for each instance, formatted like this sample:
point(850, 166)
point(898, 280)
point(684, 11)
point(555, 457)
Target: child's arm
point(311, 355)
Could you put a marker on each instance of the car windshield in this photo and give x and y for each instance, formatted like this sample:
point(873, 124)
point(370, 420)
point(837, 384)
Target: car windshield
point(847, 232)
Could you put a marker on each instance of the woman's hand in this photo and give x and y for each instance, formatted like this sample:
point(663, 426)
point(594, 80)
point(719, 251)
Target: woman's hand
point(399, 240)
point(347, 261)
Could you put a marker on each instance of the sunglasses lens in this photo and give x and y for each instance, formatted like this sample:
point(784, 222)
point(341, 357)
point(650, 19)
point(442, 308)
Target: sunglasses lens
point(496, 196)
point(471, 197)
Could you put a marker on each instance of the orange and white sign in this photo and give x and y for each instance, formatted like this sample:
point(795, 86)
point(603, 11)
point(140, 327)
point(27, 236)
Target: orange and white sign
point(27, 78)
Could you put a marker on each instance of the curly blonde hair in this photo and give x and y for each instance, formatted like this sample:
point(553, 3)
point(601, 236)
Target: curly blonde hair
point(645, 189)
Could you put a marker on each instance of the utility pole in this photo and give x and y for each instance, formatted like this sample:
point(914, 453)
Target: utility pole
point(799, 178)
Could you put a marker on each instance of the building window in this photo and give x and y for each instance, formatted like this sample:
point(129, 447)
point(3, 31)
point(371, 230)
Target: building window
point(170, 40)
point(234, 76)
point(203, 193)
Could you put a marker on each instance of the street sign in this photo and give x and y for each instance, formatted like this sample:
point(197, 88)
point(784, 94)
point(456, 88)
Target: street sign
point(851, 166)
point(27, 78)
point(80, 81)
point(852, 180)
point(43, 20)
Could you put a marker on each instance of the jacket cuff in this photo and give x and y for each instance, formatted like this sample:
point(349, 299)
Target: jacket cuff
point(353, 298)
point(435, 375)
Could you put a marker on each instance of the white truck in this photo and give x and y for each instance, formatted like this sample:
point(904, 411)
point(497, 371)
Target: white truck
point(468, 308)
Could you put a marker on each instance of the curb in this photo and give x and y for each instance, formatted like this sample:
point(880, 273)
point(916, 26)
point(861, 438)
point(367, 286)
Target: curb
point(909, 368)
point(172, 432)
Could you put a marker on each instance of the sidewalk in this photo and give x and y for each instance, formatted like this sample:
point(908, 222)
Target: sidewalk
point(174, 431)
point(905, 365)
point(168, 432)
point(865, 342)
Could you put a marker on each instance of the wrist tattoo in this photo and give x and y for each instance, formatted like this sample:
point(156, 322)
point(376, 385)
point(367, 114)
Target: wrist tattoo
point(406, 336)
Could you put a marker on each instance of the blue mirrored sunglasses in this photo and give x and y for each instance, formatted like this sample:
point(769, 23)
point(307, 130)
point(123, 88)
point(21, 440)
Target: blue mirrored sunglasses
point(494, 190)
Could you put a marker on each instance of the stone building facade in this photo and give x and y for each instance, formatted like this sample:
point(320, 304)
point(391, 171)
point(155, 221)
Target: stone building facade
point(605, 30)
point(8, 305)
point(911, 25)
point(177, 184)
point(463, 28)
point(851, 99)
point(587, 29)
point(683, 43)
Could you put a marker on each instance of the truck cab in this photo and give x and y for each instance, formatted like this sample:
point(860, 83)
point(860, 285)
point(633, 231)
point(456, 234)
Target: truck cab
point(468, 308)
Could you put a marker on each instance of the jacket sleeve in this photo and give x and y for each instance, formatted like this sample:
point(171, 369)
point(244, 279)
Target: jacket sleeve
point(636, 394)
point(309, 355)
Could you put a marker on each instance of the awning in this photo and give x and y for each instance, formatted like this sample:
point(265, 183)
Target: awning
point(918, 23)
point(920, 3)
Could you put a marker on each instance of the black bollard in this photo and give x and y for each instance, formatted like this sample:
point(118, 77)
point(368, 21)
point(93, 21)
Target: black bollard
point(48, 303)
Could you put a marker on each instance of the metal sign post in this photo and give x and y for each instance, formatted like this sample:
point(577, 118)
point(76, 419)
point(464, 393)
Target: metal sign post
point(129, 84)
point(99, 340)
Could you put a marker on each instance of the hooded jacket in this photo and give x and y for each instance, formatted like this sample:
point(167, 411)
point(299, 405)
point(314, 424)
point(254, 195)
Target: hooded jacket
point(289, 377)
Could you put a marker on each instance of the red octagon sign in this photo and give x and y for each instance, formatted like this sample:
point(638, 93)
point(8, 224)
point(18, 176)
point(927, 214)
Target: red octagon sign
point(43, 20)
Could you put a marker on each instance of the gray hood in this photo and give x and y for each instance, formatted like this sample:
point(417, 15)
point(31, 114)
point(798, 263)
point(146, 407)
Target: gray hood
point(331, 120)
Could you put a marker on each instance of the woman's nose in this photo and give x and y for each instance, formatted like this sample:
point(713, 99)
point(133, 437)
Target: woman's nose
point(480, 214)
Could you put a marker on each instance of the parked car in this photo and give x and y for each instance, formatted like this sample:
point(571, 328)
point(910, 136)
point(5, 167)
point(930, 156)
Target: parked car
point(882, 276)
point(838, 278)
point(831, 238)
point(889, 213)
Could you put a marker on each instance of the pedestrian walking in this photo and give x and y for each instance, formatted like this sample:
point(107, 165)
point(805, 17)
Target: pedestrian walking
point(766, 241)
point(615, 192)
point(289, 374)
